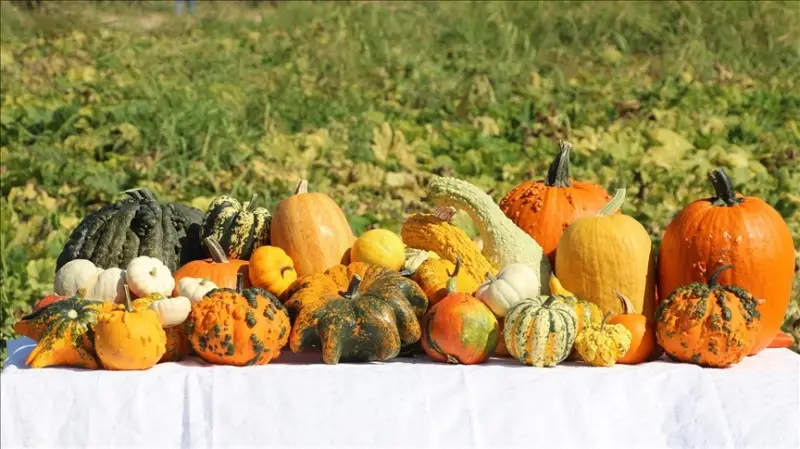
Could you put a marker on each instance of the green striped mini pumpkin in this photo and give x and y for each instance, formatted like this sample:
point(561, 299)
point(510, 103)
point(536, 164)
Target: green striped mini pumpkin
point(239, 228)
point(540, 331)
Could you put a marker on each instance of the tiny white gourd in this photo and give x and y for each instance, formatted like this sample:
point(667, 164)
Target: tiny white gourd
point(195, 288)
point(146, 275)
point(513, 283)
point(110, 286)
point(415, 258)
point(78, 274)
point(172, 311)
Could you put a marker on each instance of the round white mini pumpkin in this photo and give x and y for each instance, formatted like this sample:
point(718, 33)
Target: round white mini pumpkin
point(513, 284)
point(110, 286)
point(172, 311)
point(75, 275)
point(195, 288)
point(146, 275)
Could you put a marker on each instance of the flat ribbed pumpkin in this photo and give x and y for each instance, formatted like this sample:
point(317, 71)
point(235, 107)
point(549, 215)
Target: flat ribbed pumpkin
point(540, 331)
point(610, 252)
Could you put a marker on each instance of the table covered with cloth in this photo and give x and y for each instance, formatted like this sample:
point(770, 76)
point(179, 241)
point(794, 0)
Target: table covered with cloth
point(296, 401)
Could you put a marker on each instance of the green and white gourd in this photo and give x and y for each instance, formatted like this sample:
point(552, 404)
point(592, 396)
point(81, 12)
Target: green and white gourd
point(540, 331)
point(504, 243)
point(237, 227)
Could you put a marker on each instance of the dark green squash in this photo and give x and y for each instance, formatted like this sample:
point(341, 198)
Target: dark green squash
point(137, 226)
point(355, 313)
point(239, 228)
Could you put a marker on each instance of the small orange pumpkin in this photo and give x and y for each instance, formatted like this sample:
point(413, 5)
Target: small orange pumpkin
point(272, 269)
point(218, 269)
point(643, 334)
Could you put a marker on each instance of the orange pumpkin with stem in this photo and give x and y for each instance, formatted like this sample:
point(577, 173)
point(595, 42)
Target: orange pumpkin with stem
point(732, 229)
point(545, 208)
point(643, 334)
point(459, 329)
point(218, 269)
point(272, 269)
point(312, 229)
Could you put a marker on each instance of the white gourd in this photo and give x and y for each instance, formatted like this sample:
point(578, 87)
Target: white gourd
point(146, 275)
point(172, 311)
point(195, 288)
point(78, 274)
point(513, 283)
point(110, 286)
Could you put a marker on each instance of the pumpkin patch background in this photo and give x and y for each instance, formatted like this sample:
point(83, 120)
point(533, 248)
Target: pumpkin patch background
point(366, 100)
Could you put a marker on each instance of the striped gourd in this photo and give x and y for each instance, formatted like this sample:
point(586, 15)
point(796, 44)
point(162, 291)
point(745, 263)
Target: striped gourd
point(540, 331)
point(239, 228)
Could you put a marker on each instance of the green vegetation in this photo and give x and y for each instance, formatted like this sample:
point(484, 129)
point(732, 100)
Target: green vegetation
point(367, 99)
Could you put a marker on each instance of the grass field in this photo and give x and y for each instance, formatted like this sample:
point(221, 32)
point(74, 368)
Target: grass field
point(367, 99)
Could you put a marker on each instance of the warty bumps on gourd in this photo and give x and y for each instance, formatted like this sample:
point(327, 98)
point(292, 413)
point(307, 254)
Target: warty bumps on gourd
point(504, 242)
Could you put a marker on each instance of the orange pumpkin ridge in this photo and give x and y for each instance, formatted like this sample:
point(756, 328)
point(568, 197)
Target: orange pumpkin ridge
point(218, 269)
point(544, 209)
point(730, 228)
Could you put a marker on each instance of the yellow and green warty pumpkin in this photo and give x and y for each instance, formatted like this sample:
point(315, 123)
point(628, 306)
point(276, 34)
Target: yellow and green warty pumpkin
point(239, 228)
point(355, 313)
point(540, 331)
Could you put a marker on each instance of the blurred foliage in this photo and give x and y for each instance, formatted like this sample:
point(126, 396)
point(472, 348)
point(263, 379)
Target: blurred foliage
point(367, 99)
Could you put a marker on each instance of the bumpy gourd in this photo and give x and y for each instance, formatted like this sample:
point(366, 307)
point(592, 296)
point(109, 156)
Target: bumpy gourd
point(431, 232)
point(603, 345)
point(504, 243)
point(239, 228)
point(540, 331)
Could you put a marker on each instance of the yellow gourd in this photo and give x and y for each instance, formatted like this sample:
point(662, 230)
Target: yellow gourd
point(603, 345)
point(379, 247)
point(434, 275)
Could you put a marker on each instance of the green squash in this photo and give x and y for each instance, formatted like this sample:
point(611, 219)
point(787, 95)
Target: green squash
point(136, 226)
point(540, 331)
point(237, 227)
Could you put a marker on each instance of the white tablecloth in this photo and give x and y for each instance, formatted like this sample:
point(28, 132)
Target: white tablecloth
point(298, 401)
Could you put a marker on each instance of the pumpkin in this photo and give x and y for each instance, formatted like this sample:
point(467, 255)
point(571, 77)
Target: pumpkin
point(272, 269)
point(743, 231)
point(782, 340)
point(379, 246)
point(238, 327)
point(355, 313)
point(65, 334)
point(78, 274)
point(136, 226)
point(603, 345)
point(540, 331)
point(606, 253)
point(220, 270)
point(643, 333)
point(129, 339)
point(33, 324)
point(504, 243)
point(708, 324)
point(177, 345)
point(435, 276)
point(239, 228)
point(312, 229)
point(459, 329)
point(501, 350)
point(511, 285)
point(434, 233)
point(146, 275)
point(110, 285)
point(172, 311)
point(545, 208)
point(194, 288)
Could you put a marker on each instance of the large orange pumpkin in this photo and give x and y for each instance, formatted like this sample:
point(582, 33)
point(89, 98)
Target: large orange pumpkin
point(312, 229)
point(545, 208)
point(218, 269)
point(743, 231)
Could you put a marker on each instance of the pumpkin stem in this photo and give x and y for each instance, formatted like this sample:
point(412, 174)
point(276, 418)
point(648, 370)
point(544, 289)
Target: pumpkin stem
point(215, 249)
point(605, 318)
point(614, 205)
point(558, 173)
point(452, 282)
point(723, 187)
point(627, 305)
point(285, 269)
point(444, 213)
point(301, 187)
point(239, 282)
point(405, 272)
point(490, 276)
point(352, 288)
point(250, 204)
point(128, 305)
point(713, 279)
point(549, 301)
point(81, 293)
